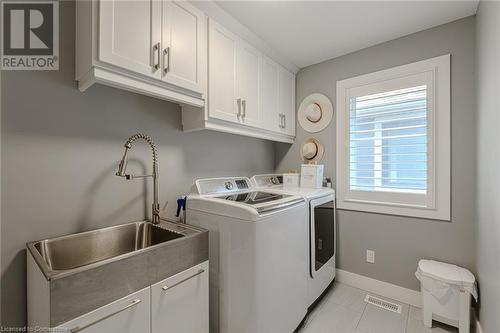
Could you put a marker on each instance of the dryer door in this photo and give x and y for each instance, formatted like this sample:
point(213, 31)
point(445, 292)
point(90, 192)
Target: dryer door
point(322, 233)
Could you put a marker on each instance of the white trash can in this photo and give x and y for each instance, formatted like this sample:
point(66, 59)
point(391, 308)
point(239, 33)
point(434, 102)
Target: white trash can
point(446, 291)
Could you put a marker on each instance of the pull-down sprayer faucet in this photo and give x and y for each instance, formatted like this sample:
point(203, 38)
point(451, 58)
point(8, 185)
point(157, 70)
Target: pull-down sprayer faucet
point(155, 218)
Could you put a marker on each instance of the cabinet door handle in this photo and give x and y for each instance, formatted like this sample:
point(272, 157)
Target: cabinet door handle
point(244, 103)
point(238, 101)
point(81, 328)
point(156, 56)
point(166, 64)
point(165, 288)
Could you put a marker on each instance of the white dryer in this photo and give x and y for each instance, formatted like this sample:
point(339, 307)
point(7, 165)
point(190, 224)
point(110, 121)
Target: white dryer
point(321, 235)
point(257, 252)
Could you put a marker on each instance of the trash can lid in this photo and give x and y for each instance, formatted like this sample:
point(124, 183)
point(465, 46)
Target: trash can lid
point(449, 273)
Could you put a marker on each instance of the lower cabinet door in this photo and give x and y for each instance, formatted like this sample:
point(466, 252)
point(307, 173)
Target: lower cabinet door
point(130, 314)
point(180, 303)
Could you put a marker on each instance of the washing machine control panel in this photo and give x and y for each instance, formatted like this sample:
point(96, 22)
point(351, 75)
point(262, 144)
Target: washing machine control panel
point(222, 185)
point(241, 184)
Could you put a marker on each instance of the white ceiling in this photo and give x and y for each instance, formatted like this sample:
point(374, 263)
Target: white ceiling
point(308, 32)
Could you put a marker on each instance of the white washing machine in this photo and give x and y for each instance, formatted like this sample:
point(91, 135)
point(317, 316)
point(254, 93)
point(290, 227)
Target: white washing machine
point(257, 252)
point(321, 235)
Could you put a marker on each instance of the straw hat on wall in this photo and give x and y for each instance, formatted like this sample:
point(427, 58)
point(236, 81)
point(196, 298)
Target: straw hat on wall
point(312, 151)
point(315, 113)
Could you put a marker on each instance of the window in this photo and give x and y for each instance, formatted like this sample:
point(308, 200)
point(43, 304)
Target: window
point(393, 141)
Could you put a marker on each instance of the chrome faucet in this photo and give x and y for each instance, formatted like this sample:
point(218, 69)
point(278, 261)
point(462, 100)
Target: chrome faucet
point(155, 218)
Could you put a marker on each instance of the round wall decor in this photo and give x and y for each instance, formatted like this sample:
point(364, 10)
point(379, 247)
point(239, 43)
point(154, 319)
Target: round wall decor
point(315, 113)
point(312, 151)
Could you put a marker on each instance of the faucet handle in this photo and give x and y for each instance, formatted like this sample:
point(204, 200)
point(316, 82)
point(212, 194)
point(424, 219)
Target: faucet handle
point(130, 177)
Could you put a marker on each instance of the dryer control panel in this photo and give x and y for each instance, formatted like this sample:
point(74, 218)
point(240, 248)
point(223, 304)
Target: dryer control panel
point(268, 180)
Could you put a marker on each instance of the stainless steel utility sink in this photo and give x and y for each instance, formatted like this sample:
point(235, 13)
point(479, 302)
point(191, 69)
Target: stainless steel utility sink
point(78, 250)
point(66, 253)
point(87, 270)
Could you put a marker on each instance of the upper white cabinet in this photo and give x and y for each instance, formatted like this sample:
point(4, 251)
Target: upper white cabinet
point(131, 44)
point(248, 93)
point(272, 119)
point(286, 102)
point(152, 47)
point(172, 50)
point(223, 89)
point(250, 72)
point(234, 78)
point(278, 98)
point(184, 55)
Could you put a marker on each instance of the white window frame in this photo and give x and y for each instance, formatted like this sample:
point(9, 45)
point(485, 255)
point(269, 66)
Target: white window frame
point(436, 203)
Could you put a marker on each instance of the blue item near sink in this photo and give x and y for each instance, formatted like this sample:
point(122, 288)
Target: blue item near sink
point(181, 204)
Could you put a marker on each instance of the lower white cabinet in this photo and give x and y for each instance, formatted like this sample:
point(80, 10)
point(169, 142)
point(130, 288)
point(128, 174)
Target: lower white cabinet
point(175, 305)
point(130, 314)
point(180, 303)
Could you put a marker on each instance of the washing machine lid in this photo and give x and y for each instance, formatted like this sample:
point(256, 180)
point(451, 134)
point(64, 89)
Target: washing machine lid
point(261, 201)
point(254, 198)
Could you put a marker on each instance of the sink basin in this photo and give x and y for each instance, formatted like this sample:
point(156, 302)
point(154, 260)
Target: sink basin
point(78, 250)
point(82, 250)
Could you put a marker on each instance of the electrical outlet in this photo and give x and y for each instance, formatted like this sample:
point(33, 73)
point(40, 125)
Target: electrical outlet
point(370, 256)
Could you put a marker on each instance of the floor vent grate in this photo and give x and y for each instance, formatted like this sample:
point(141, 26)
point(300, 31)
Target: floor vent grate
point(383, 303)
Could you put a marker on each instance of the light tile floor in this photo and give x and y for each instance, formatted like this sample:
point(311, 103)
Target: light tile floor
point(343, 310)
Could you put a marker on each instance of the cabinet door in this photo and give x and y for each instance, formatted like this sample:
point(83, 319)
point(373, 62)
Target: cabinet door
point(184, 53)
point(249, 75)
point(287, 101)
point(130, 314)
point(130, 35)
point(270, 88)
point(179, 304)
point(222, 74)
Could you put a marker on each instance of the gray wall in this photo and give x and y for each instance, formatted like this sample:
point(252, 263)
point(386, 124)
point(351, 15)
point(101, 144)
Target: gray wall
point(399, 242)
point(488, 172)
point(60, 149)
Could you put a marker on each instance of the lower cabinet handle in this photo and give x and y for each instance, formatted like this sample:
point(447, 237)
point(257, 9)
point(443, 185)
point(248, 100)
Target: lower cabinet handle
point(81, 328)
point(165, 288)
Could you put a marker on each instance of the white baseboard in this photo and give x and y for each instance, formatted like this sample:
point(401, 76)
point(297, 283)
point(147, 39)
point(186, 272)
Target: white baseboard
point(381, 288)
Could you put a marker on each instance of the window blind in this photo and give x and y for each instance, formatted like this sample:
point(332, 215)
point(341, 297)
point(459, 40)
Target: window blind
point(388, 141)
